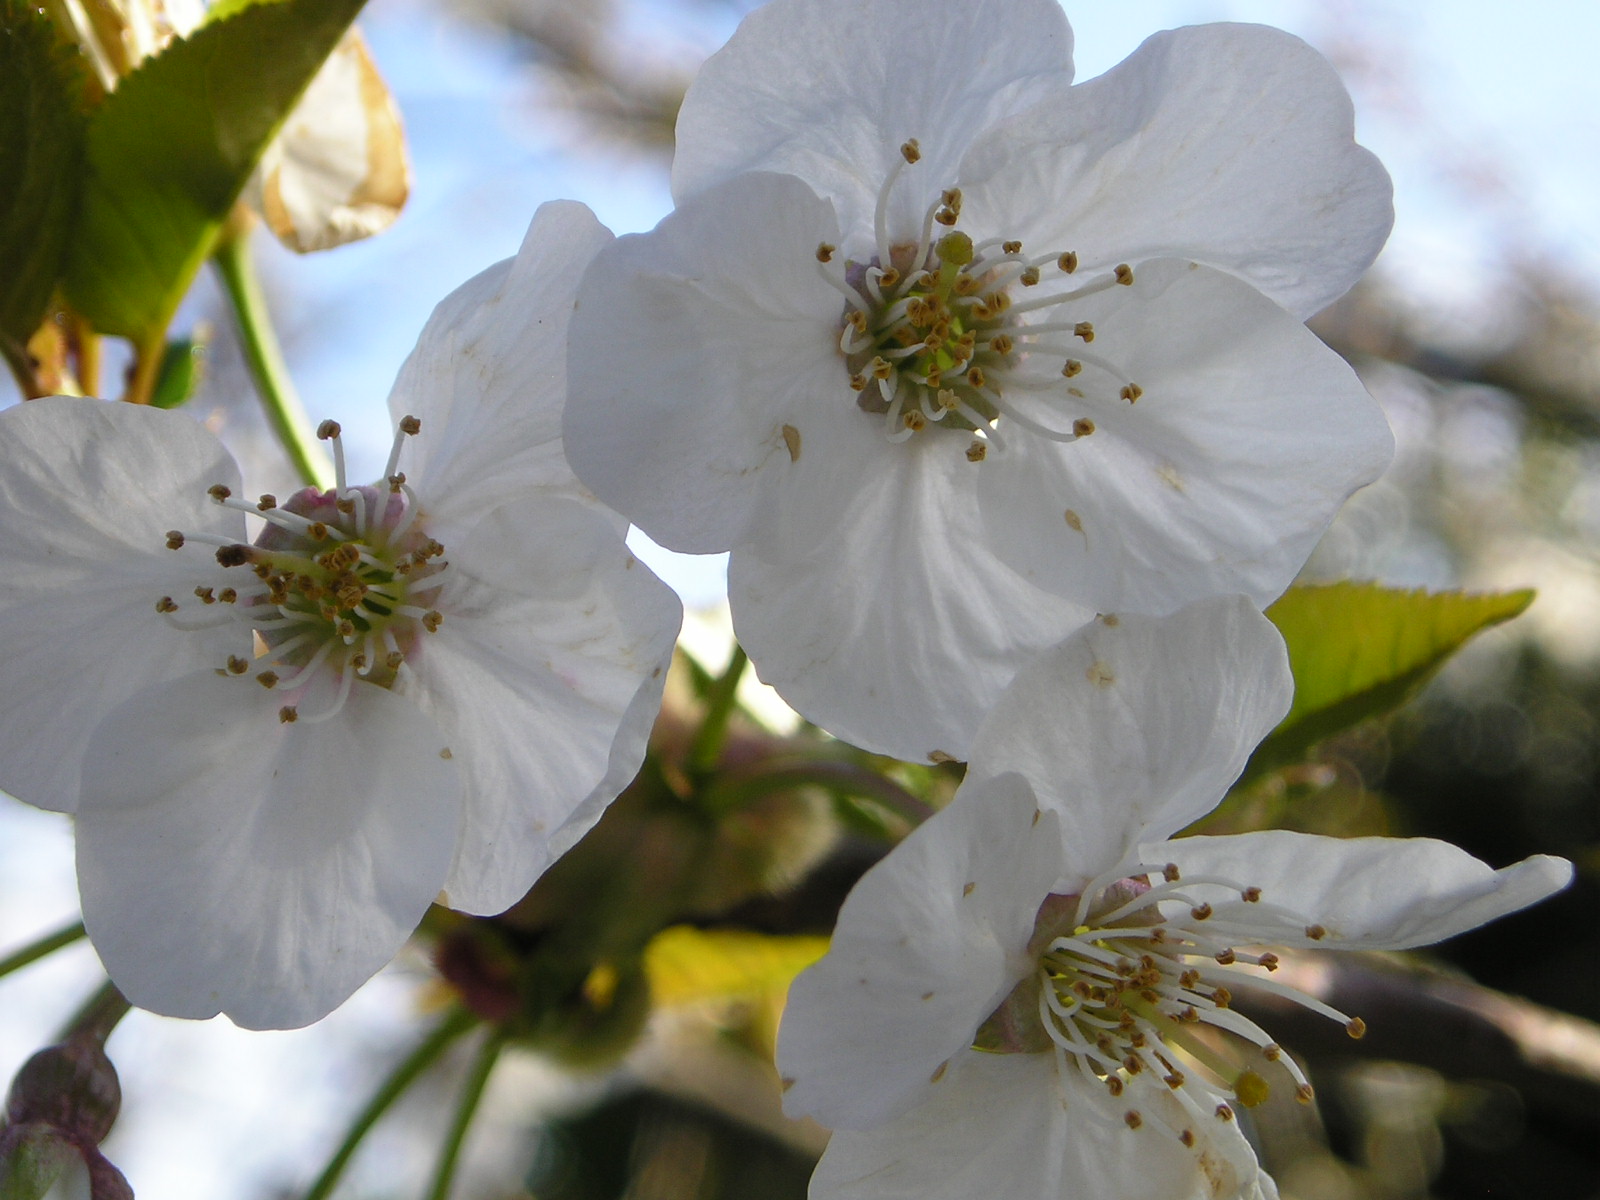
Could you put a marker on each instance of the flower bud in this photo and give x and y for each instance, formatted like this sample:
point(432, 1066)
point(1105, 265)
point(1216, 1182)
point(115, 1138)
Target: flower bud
point(72, 1087)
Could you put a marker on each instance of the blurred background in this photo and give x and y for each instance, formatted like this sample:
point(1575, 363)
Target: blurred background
point(1478, 330)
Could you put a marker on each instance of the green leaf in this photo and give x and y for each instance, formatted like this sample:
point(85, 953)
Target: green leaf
point(1359, 650)
point(171, 149)
point(686, 964)
point(41, 167)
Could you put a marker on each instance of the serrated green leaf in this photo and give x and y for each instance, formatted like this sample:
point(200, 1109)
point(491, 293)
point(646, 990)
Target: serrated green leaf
point(171, 149)
point(685, 964)
point(1359, 650)
point(41, 167)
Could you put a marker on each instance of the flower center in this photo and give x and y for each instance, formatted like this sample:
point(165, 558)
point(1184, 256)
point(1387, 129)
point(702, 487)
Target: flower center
point(338, 584)
point(932, 336)
point(1133, 972)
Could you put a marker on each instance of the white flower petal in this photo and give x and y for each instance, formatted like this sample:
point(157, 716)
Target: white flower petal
point(1004, 1125)
point(1133, 730)
point(829, 91)
point(902, 629)
point(1370, 893)
point(544, 680)
point(1247, 438)
point(230, 862)
point(488, 374)
point(88, 491)
point(691, 349)
point(1231, 144)
point(337, 172)
point(928, 943)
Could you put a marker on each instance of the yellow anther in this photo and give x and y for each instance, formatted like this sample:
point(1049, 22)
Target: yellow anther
point(1269, 961)
point(1316, 932)
point(1029, 276)
point(1124, 274)
point(1084, 330)
point(858, 382)
point(1357, 1028)
point(288, 714)
point(166, 605)
point(1011, 247)
point(1131, 392)
point(1133, 1119)
point(1083, 427)
point(410, 426)
point(431, 620)
point(1068, 262)
point(1072, 368)
point(218, 491)
point(268, 500)
point(825, 252)
point(174, 539)
point(268, 679)
point(978, 451)
point(910, 150)
point(880, 368)
point(237, 665)
point(328, 430)
point(1250, 895)
point(1201, 912)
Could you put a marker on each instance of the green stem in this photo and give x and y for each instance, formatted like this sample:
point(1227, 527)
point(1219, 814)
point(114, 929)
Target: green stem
point(836, 777)
point(147, 356)
point(466, 1107)
point(720, 703)
point(261, 351)
point(98, 1016)
point(34, 951)
point(402, 1077)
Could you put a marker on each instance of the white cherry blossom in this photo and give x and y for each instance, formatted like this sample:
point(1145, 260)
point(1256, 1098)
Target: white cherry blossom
point(1025, 997)
point(952, 354)
point(279, 751)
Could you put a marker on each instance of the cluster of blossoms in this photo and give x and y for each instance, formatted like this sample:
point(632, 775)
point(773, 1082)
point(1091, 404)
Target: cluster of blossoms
point(956, 358)
point(952, 356)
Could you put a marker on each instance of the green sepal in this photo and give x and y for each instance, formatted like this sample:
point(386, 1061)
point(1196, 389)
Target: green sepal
point(182, 368)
